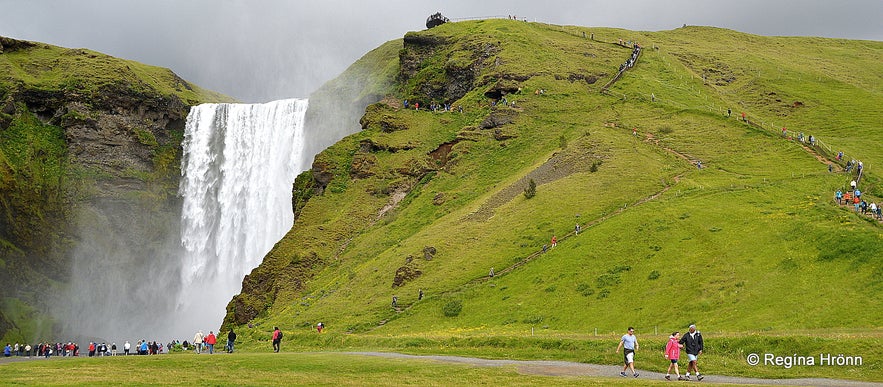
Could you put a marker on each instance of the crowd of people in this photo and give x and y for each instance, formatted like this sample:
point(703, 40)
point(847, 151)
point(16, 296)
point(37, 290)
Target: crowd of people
point(200, 343)
point(630, 62)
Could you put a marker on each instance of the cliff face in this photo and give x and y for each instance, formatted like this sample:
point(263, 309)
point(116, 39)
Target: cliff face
point(83, 138)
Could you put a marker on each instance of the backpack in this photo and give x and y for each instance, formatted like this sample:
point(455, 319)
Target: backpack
point(280, 335)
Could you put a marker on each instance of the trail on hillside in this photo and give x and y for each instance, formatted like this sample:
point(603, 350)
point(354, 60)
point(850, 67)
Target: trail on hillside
point(573, 369)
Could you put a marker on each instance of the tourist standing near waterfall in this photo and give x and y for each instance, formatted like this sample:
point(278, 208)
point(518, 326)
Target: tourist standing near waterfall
point(197, 341)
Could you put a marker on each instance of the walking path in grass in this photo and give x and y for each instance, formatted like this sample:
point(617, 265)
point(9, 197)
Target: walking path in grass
point(571, 369)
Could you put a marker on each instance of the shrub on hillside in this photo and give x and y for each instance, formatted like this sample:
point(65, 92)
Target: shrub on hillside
point(531, 189)
point(452, 308)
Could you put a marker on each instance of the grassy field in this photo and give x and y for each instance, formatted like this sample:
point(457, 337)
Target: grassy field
point(326, 360)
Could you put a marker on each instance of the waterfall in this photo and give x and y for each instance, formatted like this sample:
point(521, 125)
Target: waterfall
point(238, 167)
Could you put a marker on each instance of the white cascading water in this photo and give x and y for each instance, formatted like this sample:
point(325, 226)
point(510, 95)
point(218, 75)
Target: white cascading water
point(238, 166)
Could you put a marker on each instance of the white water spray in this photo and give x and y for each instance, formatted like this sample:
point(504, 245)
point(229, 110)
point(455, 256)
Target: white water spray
point(239, 165)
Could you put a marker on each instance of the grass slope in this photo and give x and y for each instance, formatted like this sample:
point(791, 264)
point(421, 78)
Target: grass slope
point(752, 242)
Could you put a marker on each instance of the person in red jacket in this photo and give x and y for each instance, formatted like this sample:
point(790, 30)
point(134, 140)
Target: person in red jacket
point(210, 341)
point(277, 339)
point(673, 353)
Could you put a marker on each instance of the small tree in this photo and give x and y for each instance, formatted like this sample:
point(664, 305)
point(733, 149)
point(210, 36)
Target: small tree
point(531, 189)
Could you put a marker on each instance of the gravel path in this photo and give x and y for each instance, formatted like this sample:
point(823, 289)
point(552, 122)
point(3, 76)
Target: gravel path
point(566, 368)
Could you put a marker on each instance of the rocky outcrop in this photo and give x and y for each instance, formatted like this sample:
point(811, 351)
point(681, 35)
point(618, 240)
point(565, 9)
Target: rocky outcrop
point(114, 145)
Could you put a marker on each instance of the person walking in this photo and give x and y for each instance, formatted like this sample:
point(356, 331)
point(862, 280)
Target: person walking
point(673, 353)
point(629, 344)
point(197, 341)
point(126, 348)
point(210, 341)
point(231, 338)
point(277, 339)
point(693, 345)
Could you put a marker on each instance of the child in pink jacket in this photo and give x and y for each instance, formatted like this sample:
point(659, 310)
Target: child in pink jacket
point(673, 353)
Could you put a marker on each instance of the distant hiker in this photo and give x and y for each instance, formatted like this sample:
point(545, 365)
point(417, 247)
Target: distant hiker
point(231, 339)
point(693, 345)
point(319, 327)
point(784, 132)
point(830, 168)
point(839, 196)
point(812, 140)
point(405, 103)
point(635, 132)
point(629, 344)
point(652, 97)
point(744, 118)
point(210, 341)
point(852, 185)
point(577, 229)
point(416, 105)
point(277, 339)
point(545, 247)
point(126, 348)
point(419, 294)
point(839, 155)
point(7, 351)
point(491, 273)
point(699, 164)
point(113, 349)
point(729, 112)
point(673, 353)
point(395, 301)
point(197, 341)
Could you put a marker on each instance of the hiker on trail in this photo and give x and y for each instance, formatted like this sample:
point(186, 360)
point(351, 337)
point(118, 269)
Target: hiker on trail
point(729, 112)
point(699, 164)
point(744, 118)
point(231, 339)
point(873, 208)
point(491, 273)
point(852, 185)
point(197, 341)
point(420, 293)
point(839, 155)
point(277, 339)
point(629, 344)
point(784, 132)
point(395, 301)
point(673, 353)
point(693, 345)
point(812, 140)
point(830, 168)
point(577, 229)
point(319, 327)
point(635, 132)
point(126, 348)
point(839, 196)
point(554, 241)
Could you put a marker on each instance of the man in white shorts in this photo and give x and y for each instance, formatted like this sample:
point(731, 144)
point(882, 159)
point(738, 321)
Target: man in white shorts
point(692, 342)
point(629, 343)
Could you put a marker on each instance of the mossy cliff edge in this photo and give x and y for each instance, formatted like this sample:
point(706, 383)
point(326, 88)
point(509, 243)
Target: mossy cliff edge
point(83, 135)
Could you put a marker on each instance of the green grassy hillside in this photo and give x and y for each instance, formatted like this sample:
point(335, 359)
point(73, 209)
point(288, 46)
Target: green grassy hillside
point(431, 201)
point(79, 129)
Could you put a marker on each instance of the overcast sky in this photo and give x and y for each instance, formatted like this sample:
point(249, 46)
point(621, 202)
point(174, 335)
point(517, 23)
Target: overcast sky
point(261, 50)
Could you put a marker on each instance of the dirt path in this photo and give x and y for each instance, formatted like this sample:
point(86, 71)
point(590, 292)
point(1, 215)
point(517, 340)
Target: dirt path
point(572, 369)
